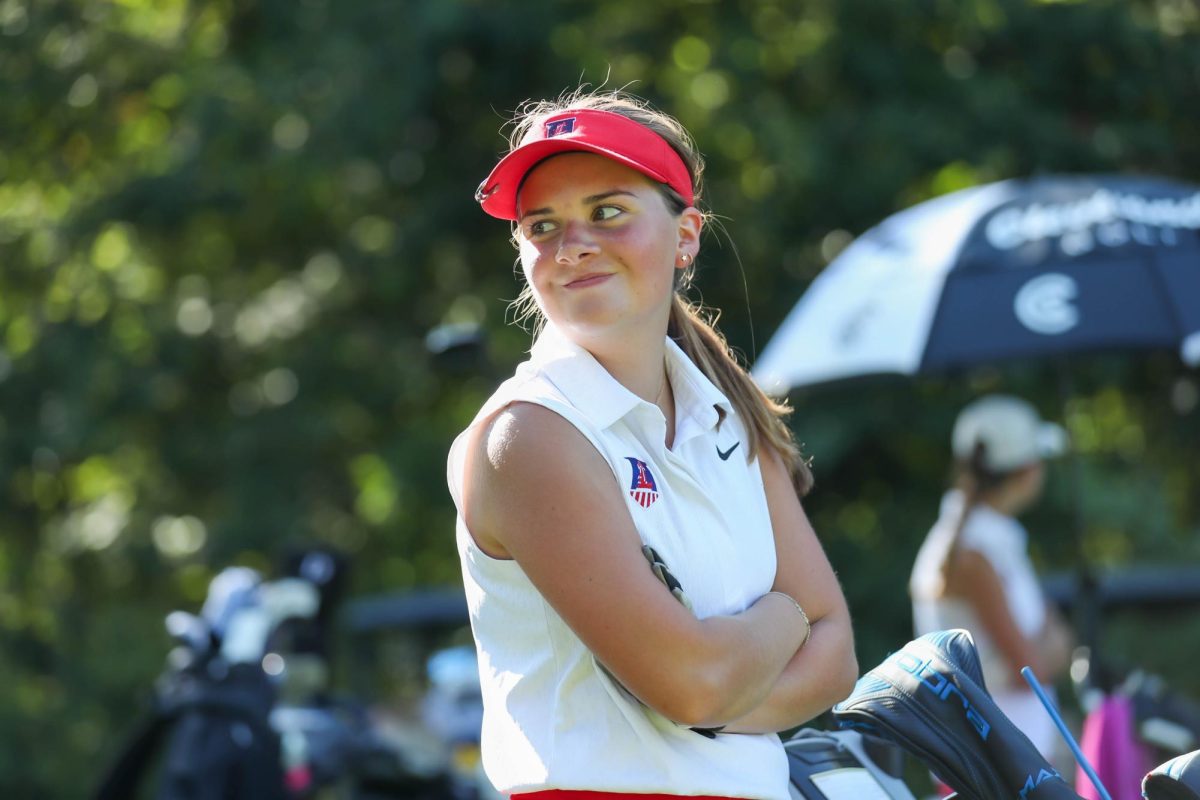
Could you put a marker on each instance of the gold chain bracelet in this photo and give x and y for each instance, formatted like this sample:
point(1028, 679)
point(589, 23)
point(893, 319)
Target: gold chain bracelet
point(807, 624)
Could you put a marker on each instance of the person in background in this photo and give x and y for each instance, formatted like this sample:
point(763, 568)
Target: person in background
point(631, 451)
point(973, 570)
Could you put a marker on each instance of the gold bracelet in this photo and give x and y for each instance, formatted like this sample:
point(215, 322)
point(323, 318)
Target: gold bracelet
point(803, 616)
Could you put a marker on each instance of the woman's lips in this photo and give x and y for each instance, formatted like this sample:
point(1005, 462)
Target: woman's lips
point(589, 280)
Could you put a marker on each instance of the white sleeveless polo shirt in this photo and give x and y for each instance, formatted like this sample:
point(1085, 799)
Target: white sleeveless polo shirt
point(552, 718)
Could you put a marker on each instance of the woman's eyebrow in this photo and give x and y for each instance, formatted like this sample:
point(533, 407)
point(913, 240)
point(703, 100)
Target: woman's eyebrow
point(596, 198)
point(533, 212)
point(589, 200)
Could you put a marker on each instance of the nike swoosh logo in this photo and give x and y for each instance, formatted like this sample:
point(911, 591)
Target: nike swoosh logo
point(724, 456)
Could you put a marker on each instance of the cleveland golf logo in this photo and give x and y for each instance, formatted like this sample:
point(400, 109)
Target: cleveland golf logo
point(942, 687)
point(1046, 304)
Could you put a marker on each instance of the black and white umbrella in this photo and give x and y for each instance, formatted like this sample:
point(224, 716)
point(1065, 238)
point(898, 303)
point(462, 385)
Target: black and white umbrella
point(1027, 268)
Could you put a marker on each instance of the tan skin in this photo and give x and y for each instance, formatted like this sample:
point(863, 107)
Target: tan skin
point(599, 246)
point(972, 578)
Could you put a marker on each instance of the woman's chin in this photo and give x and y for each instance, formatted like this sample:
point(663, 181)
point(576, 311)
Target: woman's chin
point(592, 318)
point(588, 329)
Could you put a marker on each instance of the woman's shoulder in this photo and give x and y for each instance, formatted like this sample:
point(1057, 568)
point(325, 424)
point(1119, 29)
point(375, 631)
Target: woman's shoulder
point(525, 411)
point(992, 532)
point(516, 460)
point(522, 430)
point(527, 439)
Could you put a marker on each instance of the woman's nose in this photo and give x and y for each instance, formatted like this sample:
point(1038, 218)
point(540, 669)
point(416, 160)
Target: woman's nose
point(576, 244)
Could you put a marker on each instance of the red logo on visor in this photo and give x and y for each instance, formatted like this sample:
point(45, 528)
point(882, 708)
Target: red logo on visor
point(643, 489)
point(559, 127)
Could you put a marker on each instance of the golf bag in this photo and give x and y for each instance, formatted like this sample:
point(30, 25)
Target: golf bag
point(242, 711)
point(220, 743)
point(212, 705)
point(844, 765)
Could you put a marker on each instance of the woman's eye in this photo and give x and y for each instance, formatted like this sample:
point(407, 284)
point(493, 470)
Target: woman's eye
point(541, 227)
point(607, 212)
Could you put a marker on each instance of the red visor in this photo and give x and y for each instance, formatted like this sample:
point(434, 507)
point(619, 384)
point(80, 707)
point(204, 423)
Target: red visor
point(589, 130)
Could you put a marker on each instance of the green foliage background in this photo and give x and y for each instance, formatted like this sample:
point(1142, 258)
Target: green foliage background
point(226, 227)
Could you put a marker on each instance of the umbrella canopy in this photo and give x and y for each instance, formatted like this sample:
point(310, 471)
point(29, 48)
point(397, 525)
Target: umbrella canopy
point(1017, 269)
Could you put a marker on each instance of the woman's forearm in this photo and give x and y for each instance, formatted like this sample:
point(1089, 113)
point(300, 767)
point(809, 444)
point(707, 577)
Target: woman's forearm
point(742, 663)
point(820, 674)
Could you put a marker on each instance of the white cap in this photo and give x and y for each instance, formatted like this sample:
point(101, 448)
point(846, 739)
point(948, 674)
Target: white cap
point(1011, 431)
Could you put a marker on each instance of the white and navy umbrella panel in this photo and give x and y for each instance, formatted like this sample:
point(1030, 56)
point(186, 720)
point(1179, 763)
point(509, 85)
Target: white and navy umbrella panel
point(1016, 269)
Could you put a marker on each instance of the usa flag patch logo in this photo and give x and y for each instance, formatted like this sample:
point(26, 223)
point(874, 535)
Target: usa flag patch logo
point(558, 127)
point(643, 489)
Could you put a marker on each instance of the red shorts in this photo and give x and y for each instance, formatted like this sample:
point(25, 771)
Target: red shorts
point(581, 794)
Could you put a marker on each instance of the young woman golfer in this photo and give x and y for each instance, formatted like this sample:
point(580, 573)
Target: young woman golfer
point(632, 436)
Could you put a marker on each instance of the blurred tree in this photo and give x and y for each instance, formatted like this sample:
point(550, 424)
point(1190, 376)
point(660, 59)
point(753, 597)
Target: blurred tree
point(227, 228)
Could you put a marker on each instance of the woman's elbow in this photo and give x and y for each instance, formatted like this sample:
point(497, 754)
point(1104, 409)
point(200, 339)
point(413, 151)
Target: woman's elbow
point(694, 700)
point(847, 676)
point(844, 671)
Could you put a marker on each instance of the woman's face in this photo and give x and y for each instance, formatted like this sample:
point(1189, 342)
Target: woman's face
point(600, 247)
point(1027, 485)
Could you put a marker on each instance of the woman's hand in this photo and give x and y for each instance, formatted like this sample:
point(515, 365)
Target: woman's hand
point(1056, 644)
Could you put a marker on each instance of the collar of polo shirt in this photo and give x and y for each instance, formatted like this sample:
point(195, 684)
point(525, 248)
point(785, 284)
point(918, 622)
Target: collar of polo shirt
point(605, 400)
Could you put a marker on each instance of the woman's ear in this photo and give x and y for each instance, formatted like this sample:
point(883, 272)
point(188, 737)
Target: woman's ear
point(691, 222)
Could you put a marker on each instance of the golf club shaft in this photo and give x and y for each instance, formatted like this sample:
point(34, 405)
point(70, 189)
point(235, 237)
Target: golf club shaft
point(1032, 680)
